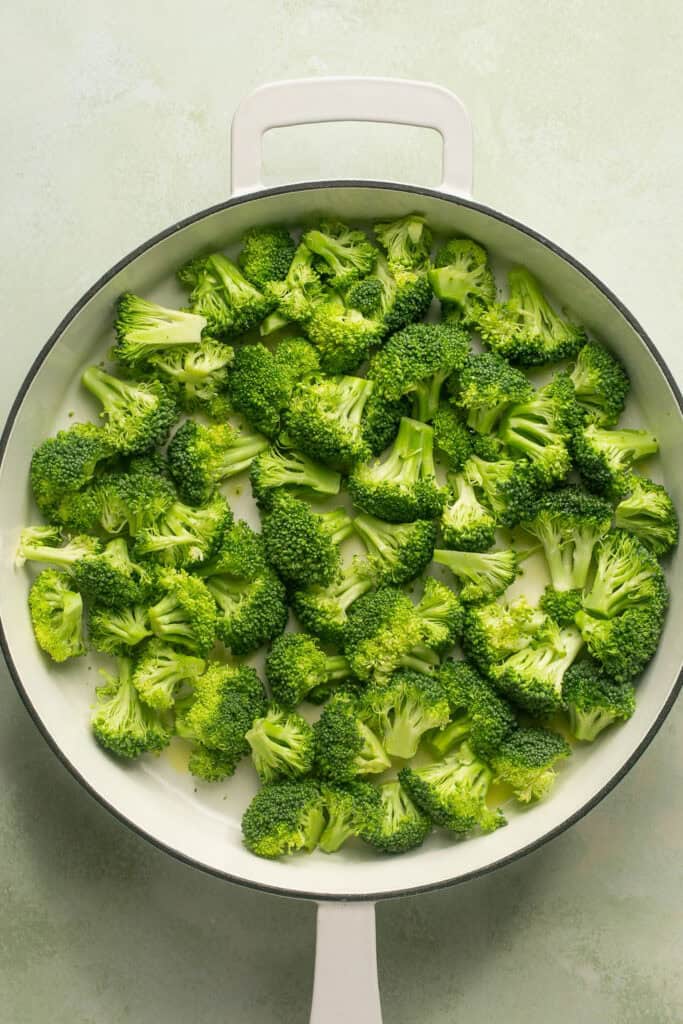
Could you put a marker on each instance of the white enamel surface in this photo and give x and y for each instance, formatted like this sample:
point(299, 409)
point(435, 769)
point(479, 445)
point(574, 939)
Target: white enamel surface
point(202, 822)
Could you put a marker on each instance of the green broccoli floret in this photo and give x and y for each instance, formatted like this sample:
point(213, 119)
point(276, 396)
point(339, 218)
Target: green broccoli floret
point(526, 329)
point(463, 281)
point(198, 376)
point(453, 792)
point(284, 818)
point(526, 762)
point(442, 615)
point(397, 552)
point(494, 631)
point(136, 498)
point(605, 457)
point(532, 677)
point(345, 746)
point(112, 578)
point(67, 462)
point(350, 810)
point(229, 303)
point(404, 709)
point(477, 713)
point(381, 420)
point(407, 242)
point(322, 610)
point(649, 514)
point(259, 388)
point(325, 419)
point(569, 523)
point(594, 701)
point(341, 334)
point(281, 745)
point(366, 296)
point(121, 722)
point(509, 486)
point(303, 545)
point(56, 616)
point(138, 415)
point(626, 643)
point(601, 384)
point(486, 386)
point(159, 671)
point(42, 544)
point(144, 328)
point(483, 574)
point(201, 457)
point(296, 295)
point(452, 437)
point(561, 605)
point(186, 614)
point(86, 510)
point(403, 487)
point(185, 536)
point(297, 359)
point(396, 299)
point(116, 630)
point(401, 826)
point(210, 765)
point(266, 255)
point(626, 574)
point(296, 664)
point(466, 523)
point(344, 255)
point(540, 428)
point(284, 467)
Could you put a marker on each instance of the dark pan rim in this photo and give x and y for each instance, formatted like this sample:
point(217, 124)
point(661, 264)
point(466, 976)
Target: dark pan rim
point(4, 440)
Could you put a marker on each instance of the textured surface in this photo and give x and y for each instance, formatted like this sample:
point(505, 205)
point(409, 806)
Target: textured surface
point(115, 124)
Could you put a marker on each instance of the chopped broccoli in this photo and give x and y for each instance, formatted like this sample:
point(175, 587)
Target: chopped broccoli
point(532, 677)
point(441, 613)
point(282, 467)
point(138, 415)
point(626, 574)
point(296, 664)
point(486, 386)
point(624, 644)
point(303, 545)
point(345, 745)
point(477, 713)
point(67, 462)
point(401, 826)
point(350, 810)
point(325, 419)
point(186, 614)
point(121, 722)
point(404, 709)
point(561, 605)
point(210, 765)
point(483, 574)
point(229, 303)
point(201, 457)
point(111, 577)
point(259, 388)
point(594, 701)
point(526, 762)
point(601, 385)
point(322, 610)
point(116, 630)
point(649, 514)
point(540, 429)
point(406, 241)
point(144, 328)
point(569, 523)
point(281, 745)
point(453, 792)
point(452, 437)
point(56, 616)
point(509, 486)
point(298, 293)
point(395, 299)
point(284, 818)
point(494, 631)
point(344, 255)
point(605, 457)
point(40, 544)
point(159, 671)
point(197, 376)
point(136, 498)
point(397, 552)
point(466, 523)
point(266, 255)
point(185, 536)
point(341, 334)
point(297, 359)
point(463, 281)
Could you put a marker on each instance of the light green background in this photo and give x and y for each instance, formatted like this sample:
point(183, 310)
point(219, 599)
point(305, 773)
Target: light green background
point(114, 125)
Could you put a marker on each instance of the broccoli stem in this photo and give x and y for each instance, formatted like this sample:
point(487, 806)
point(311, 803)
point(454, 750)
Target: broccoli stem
point(336, 668)
point(421, 659)
point(240, 455)
point(445, 740)
point(427, 397)
point(274, 322)
point(338, 525)
point(168, 619)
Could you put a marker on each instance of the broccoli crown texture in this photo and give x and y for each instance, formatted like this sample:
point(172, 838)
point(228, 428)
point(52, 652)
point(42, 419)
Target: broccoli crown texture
point(540, 429)
point(281, 745)
point(159, 671)
point(266, 255)
point(526, 762)
point(345, 745)
point(111, 577)
point(452, 437)
point(494, 631)
point(219, 293)
point(284, 818)
point(561, 605)
point(259, 388)
point(397, 552)
point(344, 255)
point(400, 825)
point(463, 280)
point(466, 523)
point(138, 414)
point(303, 545)
point(186, 613)
point(322, 610)
point(341, 334)
point(509, 486)
point(404, 709)
point(325, 419)
point(406, 241)
point(623, 645)
point(486, 386)
point(605, 457)
point(601, 385)
point(532, 678)
point(648, 512)
point(56, 615)
point(626, 575)
point(121, 722)
point(452, 792)
point(351, 810)
point(294, 665)
point(298, 293)
point(65, 463)
point(594, 701)
point(197, 375)
point(185, 536)
point(569, 523)
point(200, 457)
point(477, 713)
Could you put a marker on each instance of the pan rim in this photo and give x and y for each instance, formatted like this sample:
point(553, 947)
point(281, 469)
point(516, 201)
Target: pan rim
point(139, 830)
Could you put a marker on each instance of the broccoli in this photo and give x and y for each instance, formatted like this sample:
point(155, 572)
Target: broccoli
point(220, 294)
point(111, 577)
point(322, 610)
point(494, 631)
point(67, 462)
point(41, 544)
point(463, 281)
point(185, 536)
point(186, 614)
point(401, 826)
point(197, 376)
point(344, 255)
point(252, 608)
point(486, 386)
point(466, 523)
point(561, 605)
point(624, 644)
point(56, 616)
point(452, 437)
point(442, 615)
point(296, 664)
point(138, 415)
point(345, 746)
point(406, 241)
point(477, 713)
point(88, 510)
point(416, 361)
point(540, 428)
point(532, 677)
point(526, 329)
point(350, 810)
point(121, 723)
point(452, 792)
point(509, 486)
point(526, 762)
point(284, 818)
point(266, 255)
point(144, 328)
point(210, 765)
point(649, 514)
point(569, 523)
point(159, 671)
point(341, 334)
point(201, 457)
point(605, 457)
point(303, 545)
point(594, 701)
point(325, 419)
point(297, 359)
point(259, 388)
point(298, 293)
point(626, 574)
point(403, 487)
point(396, 300)
point(601, 385)
point(281, 745)
point(116, 630)
point(398, 552)
point(404, 709)
point(483, 575)
point(136, 498)
point(282, 467)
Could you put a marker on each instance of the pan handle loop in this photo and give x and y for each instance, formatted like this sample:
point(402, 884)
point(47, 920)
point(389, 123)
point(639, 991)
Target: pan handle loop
point(382, 100)
point(345, 987)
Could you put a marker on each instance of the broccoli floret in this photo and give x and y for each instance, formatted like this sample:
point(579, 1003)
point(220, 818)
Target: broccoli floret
point(281, 745)
point(398, 552)
point(220, 294)
point(253, 607)
point(345, 746)
point(526, 329)
point(486, 386)
point(297, 359)
point(626, 574)
point(381, 420)
point(569, 523)
point(452, 792)
point(84, 511)
point(366, 296)
point(526, 762)
point(561, 605)
point(344, 255)
point(283, 467)
point(406, 241)
point(136, 498)
point(210, 765)
point(341, 334)
point(601, 385)
point(404, 709)
point(452, 437)
point(350, 810)
point(185, 536)
point(186, 614)
point(625, 644)
point(540, 429)
point(296, 664)
point(138, 415)
point(144, 328)
point(266, 255)
point(56, 616)
point(303, 545)
point(121, 722)
point(296, 295)
point(649, 514)
point(442, 615)
point(401, 826)
point(483, 574)
point(466, 523)
point(322, 610)
point(201, 457)
point(284, 818)
point(463, 280)
point(594, 701)
point(112, 578)
point(198, 376)
point(116, 630)
point(494, 631)
point(605, 457)
point(41, 544)
point(477, 713)
point(396, 299)
point(259, 388)
point(159, 671)
point(325, 419)
point(403, 487)
point(67, 462)
point(532, 677)
point(509, 486)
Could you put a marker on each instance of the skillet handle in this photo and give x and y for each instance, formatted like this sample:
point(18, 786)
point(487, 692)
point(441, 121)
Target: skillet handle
point(381, 100)
point(345, 987)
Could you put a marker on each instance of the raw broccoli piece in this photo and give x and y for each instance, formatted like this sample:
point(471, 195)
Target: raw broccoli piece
point(144, 328)
point(626, 574)
point(452, 437)
point(266, 255)
point(442, 615)
point(569, 523)
point(219, 292)
point(284, 467)
point(381, 420)
point(540, 428)
point(259, 388)
point(605, 457)
point(452, 792)
point(483, 574)
point(341, 334)
point(322, 610)
point(466, 523)
point(526, 762)
point(138, 415)
point(404, 709)
point(42, 544)
point(509, 486)
point(112, 578)
point(303, 545)
point(407, 242)
point(201, 457)
point(116, 630)
point(56, 616)
point(186, 614)
point(395, 299)
point(403, 487)
point(532, 677)
point(594, 701)
point(649, 514)
point(67, 462)
point(86, 510)
point(477, 713)
point(345, 746)
point(601, 385)
point(136, 498)
point(397, 552)
point(296, 664)
point(350, 810)
point(185, 536)
point(486, 386)
point(494, 631)
point(402, 826)
point(281, 745)
point(325, 419)
point(624, 644)
point(159, 672)
point(344, 255)
point(366, 296)
point(297, 359)
point(561, 605)
point(463, 281)
point(198, 376)
point(526, 329)
point(210, 765)
point(284, 818)
point(296, 295)
point(121, 723)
